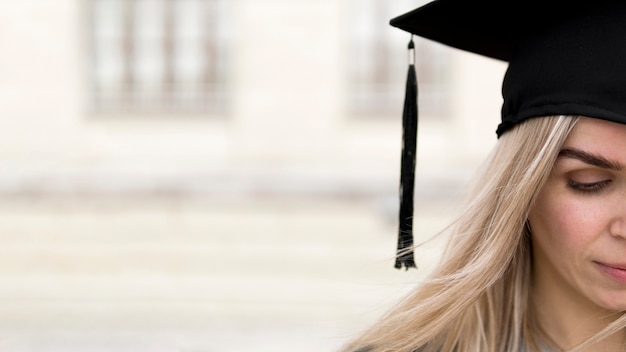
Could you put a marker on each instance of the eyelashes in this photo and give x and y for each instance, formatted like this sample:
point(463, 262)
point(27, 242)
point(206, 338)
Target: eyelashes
point(588, 188)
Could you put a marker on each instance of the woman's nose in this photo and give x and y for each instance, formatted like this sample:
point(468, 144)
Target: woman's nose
point(617, 227)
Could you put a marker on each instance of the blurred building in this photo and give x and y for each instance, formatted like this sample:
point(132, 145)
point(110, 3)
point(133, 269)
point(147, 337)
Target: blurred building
point(227, 96)
point(160, 158)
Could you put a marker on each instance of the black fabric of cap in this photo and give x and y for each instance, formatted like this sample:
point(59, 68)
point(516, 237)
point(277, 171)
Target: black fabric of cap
point(565, 58)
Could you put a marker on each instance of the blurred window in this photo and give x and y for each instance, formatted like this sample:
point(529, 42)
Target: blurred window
point(378, 62)
point(159, 55)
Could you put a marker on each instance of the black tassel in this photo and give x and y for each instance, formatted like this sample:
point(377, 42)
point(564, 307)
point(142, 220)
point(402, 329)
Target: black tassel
point(404, 255)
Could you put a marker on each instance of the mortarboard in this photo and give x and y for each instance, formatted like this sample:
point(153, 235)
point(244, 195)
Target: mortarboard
point(564, 58)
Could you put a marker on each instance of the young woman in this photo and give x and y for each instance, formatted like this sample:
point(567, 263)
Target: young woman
point(537, 261)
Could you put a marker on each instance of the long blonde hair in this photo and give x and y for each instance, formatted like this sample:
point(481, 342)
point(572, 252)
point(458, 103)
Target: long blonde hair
point(478, 299)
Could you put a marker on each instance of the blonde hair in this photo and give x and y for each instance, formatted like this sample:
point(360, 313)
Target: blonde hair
point(478, 299)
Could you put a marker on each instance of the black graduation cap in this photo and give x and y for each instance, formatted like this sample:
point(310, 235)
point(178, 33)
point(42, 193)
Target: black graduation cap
point(564, 57)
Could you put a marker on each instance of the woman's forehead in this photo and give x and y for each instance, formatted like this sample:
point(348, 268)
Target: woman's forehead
point(598, 135)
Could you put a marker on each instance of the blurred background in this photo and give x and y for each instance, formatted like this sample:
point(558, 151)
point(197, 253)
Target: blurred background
point(219, 175)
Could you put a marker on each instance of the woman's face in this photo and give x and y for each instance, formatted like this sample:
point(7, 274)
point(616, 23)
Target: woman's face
point(578, 222)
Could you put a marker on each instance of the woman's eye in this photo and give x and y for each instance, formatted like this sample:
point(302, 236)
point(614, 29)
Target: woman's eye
point(587, 187)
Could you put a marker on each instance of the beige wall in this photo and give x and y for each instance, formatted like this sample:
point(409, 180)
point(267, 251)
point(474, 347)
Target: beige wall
point(287, 112)
point(218, 226)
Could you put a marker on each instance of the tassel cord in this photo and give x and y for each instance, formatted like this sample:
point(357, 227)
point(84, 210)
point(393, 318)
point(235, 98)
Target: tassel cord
point(405, 255)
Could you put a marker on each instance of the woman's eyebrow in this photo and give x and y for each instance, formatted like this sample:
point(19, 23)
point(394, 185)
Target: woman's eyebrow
point(591, 159)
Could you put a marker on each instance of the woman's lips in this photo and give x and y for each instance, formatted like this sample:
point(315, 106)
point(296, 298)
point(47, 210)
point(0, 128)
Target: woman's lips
point(617, 272)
